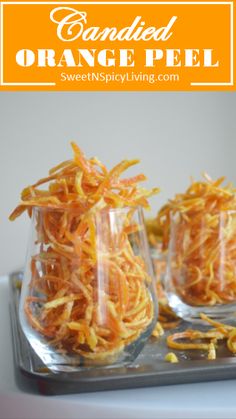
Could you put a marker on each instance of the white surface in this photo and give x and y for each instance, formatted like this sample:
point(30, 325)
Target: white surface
point(175, 134)
point(193, 401)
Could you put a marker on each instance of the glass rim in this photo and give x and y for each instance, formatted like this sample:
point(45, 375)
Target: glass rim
point(205, 213)
point(75, 209)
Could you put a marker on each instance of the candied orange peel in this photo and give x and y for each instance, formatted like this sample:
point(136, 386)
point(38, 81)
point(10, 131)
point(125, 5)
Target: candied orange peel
point(207, 341)
point(86, 184)
point(72, 314)
point(205, 220)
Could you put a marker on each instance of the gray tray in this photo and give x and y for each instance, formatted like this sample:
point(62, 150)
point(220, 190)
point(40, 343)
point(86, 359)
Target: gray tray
point(149, 369)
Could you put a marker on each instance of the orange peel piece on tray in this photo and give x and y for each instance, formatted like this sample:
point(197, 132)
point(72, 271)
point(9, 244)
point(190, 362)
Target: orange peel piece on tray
point(65, 268)
point(205, 221)
point(207, 341)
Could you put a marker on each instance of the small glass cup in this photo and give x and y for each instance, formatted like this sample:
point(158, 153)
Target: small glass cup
point(201, 265)
point(87, 296)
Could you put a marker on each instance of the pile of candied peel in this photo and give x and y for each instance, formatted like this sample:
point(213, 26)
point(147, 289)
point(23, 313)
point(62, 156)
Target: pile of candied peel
point(89, 289)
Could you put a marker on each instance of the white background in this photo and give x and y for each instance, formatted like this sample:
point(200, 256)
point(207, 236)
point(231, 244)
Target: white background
point(175, 135)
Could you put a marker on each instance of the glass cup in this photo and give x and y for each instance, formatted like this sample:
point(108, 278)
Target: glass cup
point(201, 265)
point(87, 296)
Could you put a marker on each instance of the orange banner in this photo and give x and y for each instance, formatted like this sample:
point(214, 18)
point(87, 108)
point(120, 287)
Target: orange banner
point(117, 45)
